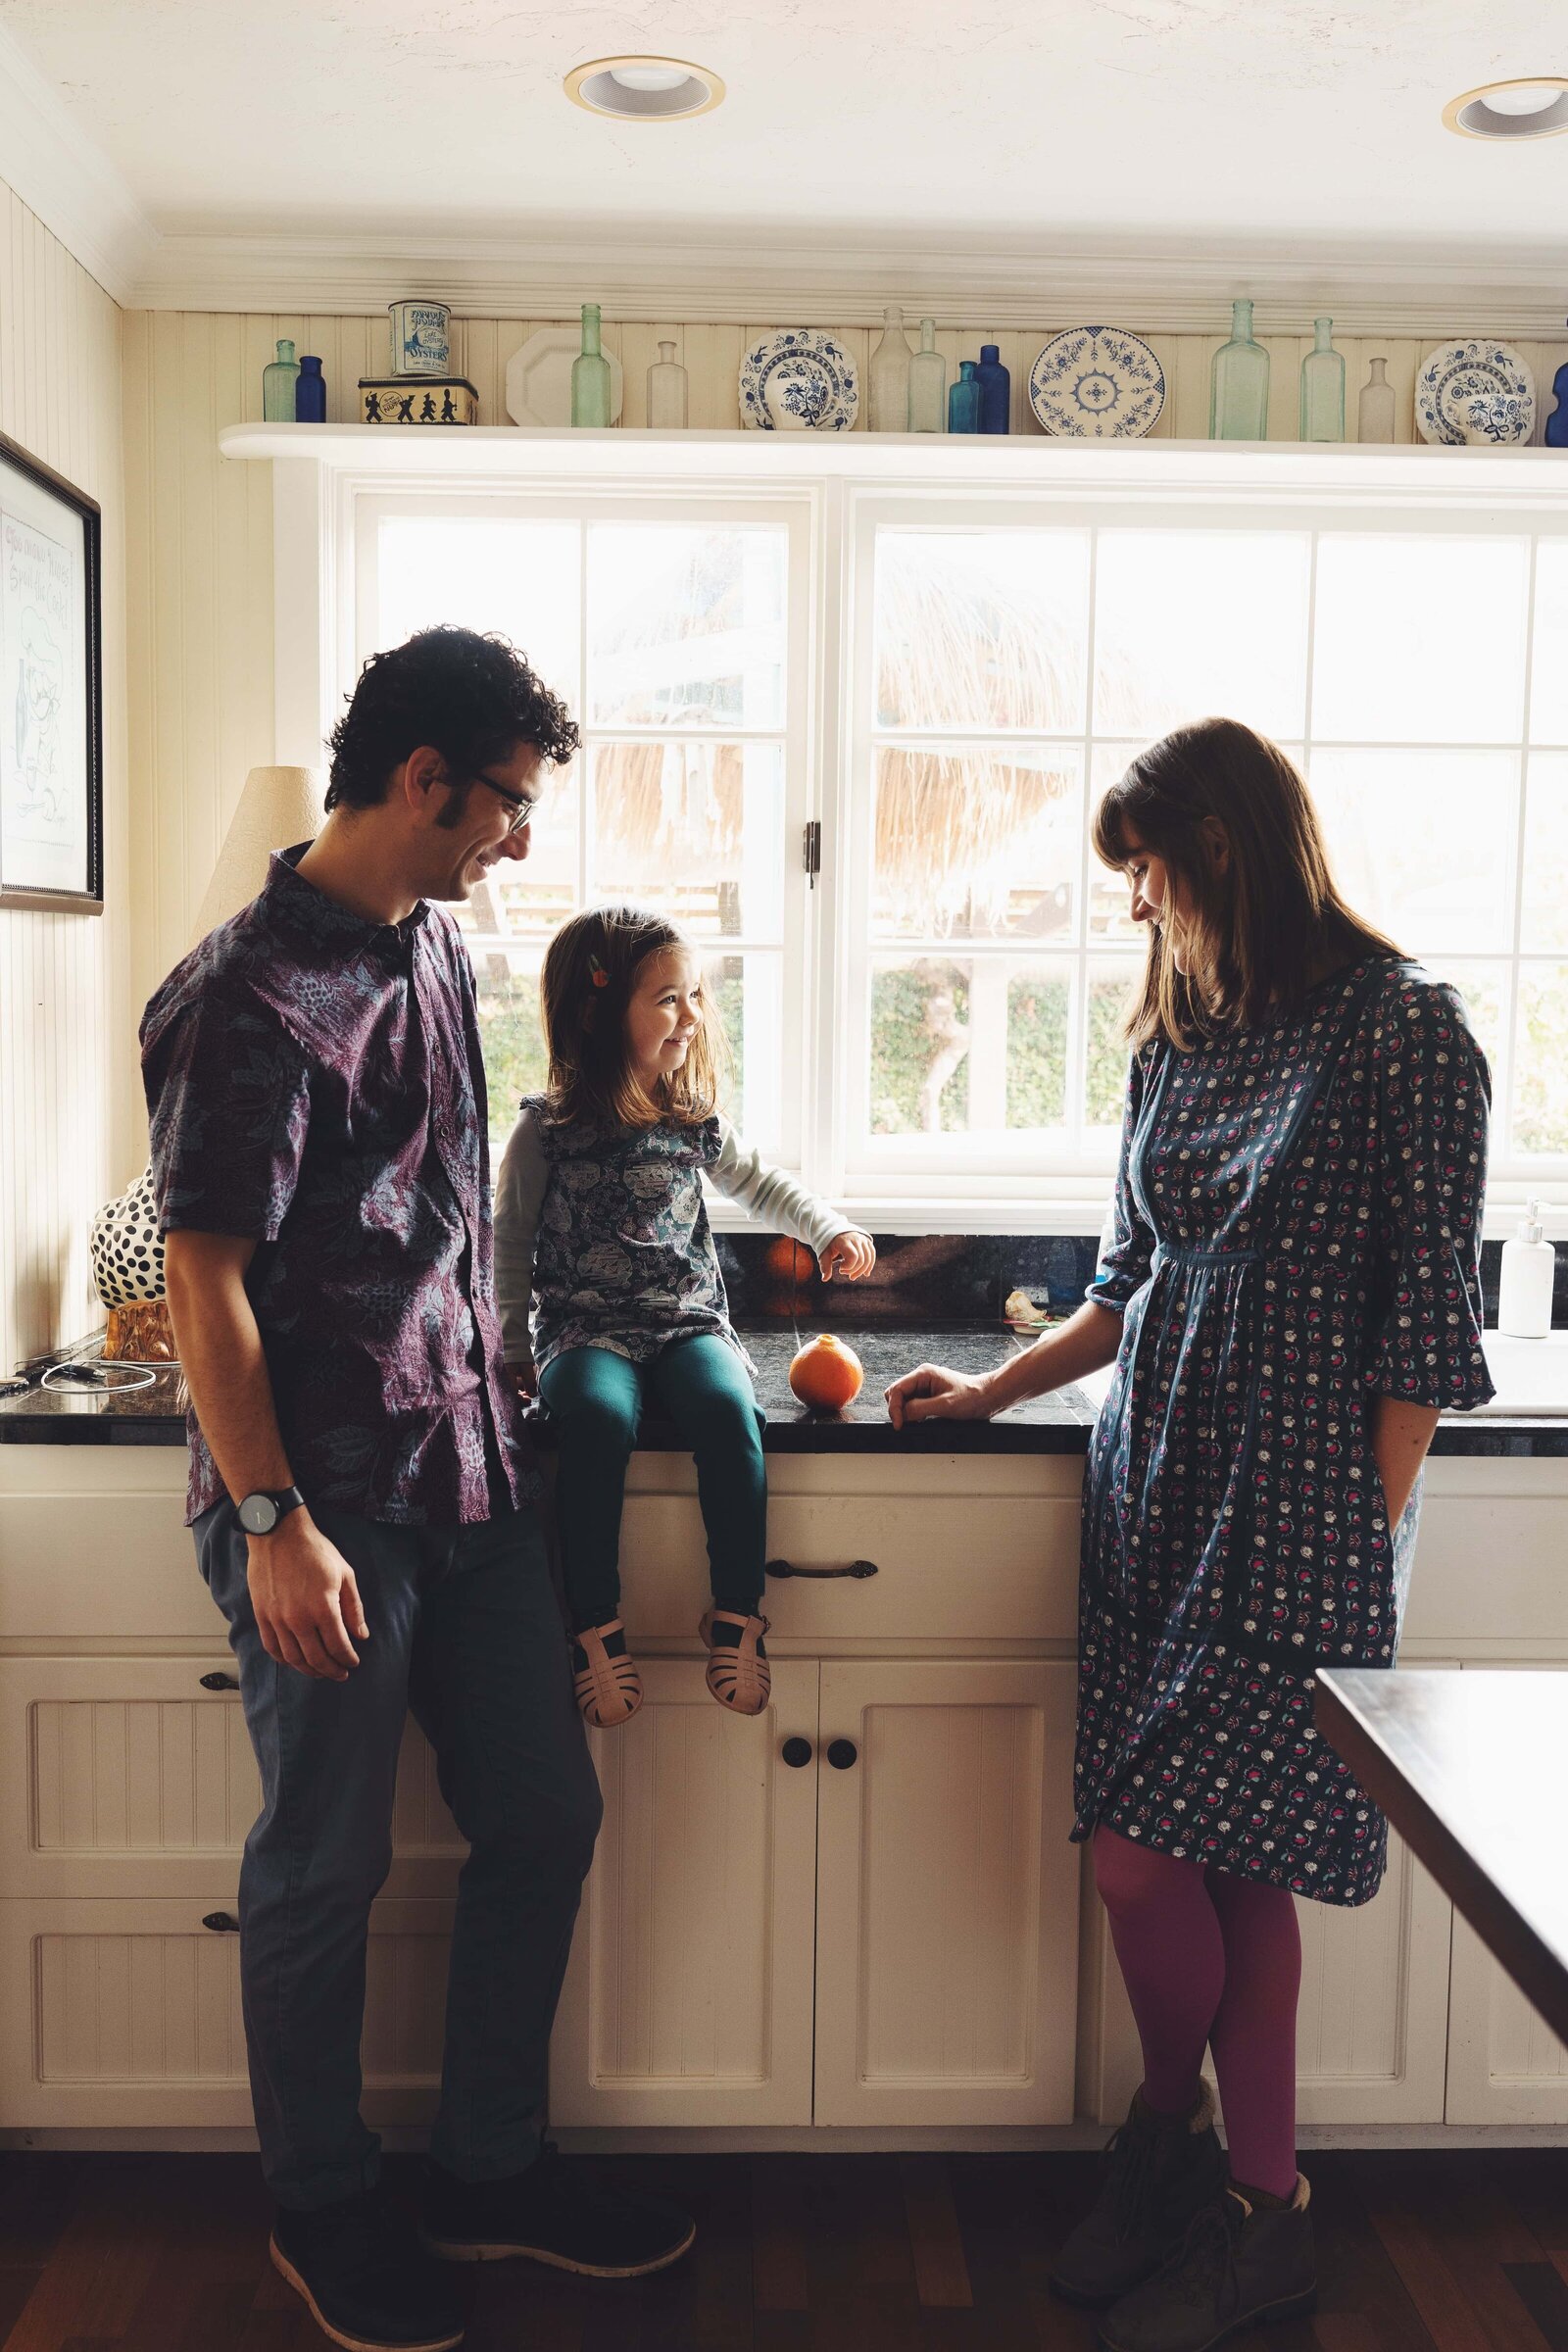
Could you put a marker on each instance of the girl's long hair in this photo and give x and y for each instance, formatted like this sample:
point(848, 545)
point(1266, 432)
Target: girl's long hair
point(589, 971)
point(1258, 935)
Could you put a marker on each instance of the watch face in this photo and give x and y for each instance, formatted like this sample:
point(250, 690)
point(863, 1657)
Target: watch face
point(258, 1514)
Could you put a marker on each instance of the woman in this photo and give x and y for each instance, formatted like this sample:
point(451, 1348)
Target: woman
point(1288, 1286)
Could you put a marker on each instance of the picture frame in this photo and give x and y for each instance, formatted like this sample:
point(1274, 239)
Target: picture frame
point(51, 690)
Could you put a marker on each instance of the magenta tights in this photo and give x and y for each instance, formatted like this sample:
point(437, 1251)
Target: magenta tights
point(1216, 1960)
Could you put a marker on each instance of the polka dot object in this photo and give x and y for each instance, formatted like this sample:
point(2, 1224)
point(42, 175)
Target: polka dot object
point(126, 1247)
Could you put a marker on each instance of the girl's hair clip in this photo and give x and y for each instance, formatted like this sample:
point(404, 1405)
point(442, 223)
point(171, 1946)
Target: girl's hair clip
point(597, 972)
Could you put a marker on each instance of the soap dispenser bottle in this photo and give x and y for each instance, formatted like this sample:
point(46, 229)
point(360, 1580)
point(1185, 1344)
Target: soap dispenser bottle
point(1524, 1291)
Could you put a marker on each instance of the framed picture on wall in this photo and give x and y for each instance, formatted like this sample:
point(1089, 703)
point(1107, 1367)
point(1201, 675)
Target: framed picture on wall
point(51, 690)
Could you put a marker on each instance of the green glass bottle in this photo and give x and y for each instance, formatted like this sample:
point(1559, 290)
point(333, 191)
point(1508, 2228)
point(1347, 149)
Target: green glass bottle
point(278, 379)
point(1238, 402)
point(1323, 388)
point(590, 374)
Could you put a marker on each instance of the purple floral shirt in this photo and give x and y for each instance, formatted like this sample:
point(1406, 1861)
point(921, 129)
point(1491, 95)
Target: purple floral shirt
point(314, 1082)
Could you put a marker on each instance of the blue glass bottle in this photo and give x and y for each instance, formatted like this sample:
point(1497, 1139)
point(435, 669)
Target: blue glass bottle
point(1556, 433)
point(996, 390)
point(963, 399)
point(310, 392)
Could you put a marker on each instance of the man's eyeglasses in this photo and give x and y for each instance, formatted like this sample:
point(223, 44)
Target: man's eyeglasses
point(521, 807)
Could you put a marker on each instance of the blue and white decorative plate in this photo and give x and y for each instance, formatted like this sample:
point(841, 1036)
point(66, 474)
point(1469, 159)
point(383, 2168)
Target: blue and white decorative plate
point(1096, 382)
point(799, 381)
point(1457, 370)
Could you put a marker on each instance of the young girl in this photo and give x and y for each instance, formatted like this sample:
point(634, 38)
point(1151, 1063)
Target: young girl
point(600, 1221)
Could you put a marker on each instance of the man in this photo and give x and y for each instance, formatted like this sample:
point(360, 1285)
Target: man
point(361, 1494)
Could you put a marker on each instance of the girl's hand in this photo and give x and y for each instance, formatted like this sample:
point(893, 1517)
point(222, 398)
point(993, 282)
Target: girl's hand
point(524, 1379)
point(931, 1392)
point(854, 1252)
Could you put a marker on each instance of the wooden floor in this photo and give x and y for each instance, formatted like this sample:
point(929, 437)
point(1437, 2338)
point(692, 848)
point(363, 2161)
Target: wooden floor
point(1418, 2253)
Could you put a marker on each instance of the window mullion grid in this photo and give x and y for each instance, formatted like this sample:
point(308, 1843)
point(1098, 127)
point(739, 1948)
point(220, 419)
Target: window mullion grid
point(1514, 983)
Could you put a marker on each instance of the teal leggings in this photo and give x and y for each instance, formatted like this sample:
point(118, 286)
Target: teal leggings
point(595, 1400)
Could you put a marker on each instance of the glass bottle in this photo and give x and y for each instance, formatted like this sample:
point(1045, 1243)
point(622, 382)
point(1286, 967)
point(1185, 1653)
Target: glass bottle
point(666, 392)
point(278, 379)
point(889, 377)
point(1556, 431)
point(1374, 410)
point(1323, 388)
point(1238, 401)
point(590, 374)
point(310, 391)
point(963, 399)
point(996, 390)
point(928, 383)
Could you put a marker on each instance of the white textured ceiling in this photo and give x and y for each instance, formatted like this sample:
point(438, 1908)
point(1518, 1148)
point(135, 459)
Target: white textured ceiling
point(1178, 119)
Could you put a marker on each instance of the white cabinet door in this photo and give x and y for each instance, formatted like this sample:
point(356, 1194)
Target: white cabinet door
point(948, 1895)
point(120, 2013)
point(134, 1776)
point(688, 2000)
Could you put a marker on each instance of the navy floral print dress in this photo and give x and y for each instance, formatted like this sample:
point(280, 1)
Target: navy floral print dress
point(1296, 1231)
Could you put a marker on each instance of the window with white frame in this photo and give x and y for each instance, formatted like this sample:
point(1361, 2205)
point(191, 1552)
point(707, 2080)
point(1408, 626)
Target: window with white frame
point(667, 634)
point(1004, 659)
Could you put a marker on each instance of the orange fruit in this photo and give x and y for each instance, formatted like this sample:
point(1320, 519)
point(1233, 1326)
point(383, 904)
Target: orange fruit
point(826, 1374)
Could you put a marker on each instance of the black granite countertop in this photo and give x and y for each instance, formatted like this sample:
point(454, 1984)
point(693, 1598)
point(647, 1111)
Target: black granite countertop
point(1056, 1424)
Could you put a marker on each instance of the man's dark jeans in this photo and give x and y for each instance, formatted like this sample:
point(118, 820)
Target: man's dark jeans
point(465, 1633)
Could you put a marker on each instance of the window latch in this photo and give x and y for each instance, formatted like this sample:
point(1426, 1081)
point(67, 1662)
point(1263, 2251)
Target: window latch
point(812, 857)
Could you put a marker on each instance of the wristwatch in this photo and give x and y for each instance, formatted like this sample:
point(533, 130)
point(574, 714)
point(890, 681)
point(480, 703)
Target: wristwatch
point(261, 1512)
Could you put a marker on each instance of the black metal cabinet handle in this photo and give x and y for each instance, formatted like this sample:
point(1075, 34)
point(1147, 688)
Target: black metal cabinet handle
point(219, 1681)
point(842, 1754)
point(221, 1923)
point(855, 1568)
point(796, 1752)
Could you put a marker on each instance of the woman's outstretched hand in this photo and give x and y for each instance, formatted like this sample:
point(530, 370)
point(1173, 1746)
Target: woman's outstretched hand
point(931, 1392)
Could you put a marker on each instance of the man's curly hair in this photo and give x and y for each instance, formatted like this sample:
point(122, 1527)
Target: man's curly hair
point(473, 697)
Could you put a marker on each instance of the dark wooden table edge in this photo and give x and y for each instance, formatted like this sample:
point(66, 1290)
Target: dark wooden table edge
point(1528, 1959)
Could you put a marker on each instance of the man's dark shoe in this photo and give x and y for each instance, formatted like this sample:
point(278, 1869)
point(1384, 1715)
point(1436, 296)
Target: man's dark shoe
point(1238, 2265)
point(1160, 2170)
point(555, 2212)
point(370, 2287)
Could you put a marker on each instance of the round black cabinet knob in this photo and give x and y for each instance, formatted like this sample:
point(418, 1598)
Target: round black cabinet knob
point(221, 1923)
point(842, 1754)
point(796, 1752)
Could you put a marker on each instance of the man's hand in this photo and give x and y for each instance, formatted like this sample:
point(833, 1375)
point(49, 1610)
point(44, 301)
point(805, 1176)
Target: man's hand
point(852, 1253)
point(306, 1600)
point(931, 1392)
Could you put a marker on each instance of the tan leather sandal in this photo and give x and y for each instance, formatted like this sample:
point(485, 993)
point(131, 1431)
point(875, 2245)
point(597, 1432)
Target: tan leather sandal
point(608, 1690)
point(738, 1674)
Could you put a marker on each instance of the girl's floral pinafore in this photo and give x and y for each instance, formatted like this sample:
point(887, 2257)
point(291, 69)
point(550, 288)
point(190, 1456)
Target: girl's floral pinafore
point(1296, 1231)
point(624, 1257)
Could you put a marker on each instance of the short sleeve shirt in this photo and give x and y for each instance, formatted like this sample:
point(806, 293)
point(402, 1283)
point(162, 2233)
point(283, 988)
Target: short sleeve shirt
point(314, 1082)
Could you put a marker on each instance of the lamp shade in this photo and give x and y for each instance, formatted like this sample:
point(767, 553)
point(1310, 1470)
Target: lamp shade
point(278, 806)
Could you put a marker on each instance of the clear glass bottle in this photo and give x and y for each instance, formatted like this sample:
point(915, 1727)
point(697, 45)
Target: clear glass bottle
point(278, 379)
point(590, 374)
point(1323, 386)
point(1238, 402)
point(928, 383)
point(1374, 410)
point(666, 392)
point(963, 399)
point(310, 391)
point(889, 377)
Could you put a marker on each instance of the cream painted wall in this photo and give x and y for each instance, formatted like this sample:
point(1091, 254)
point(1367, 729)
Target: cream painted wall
point(68, 1121)
point(200, 529)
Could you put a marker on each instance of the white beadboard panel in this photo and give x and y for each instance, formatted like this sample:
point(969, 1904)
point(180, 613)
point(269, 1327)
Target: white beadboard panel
point(66, 1117)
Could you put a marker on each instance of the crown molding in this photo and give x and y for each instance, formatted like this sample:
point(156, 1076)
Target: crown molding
point(666, 272)
point(62, 176)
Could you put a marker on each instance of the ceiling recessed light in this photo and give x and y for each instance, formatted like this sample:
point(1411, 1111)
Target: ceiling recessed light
point(644, 89)
point(1535, 108)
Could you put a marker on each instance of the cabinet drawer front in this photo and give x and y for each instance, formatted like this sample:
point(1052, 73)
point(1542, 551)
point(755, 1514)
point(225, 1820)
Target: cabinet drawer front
point(74, 1566)
point(956, 1566)
point(128, 2012)
point(126, 1775)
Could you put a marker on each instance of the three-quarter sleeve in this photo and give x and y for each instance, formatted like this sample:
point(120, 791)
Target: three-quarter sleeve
point(228, 1106)
point(1127, 1243)
point(1434, 1097)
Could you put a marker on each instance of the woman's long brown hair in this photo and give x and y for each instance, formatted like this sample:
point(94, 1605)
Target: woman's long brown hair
point(589, 971)
point(1259, 935)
